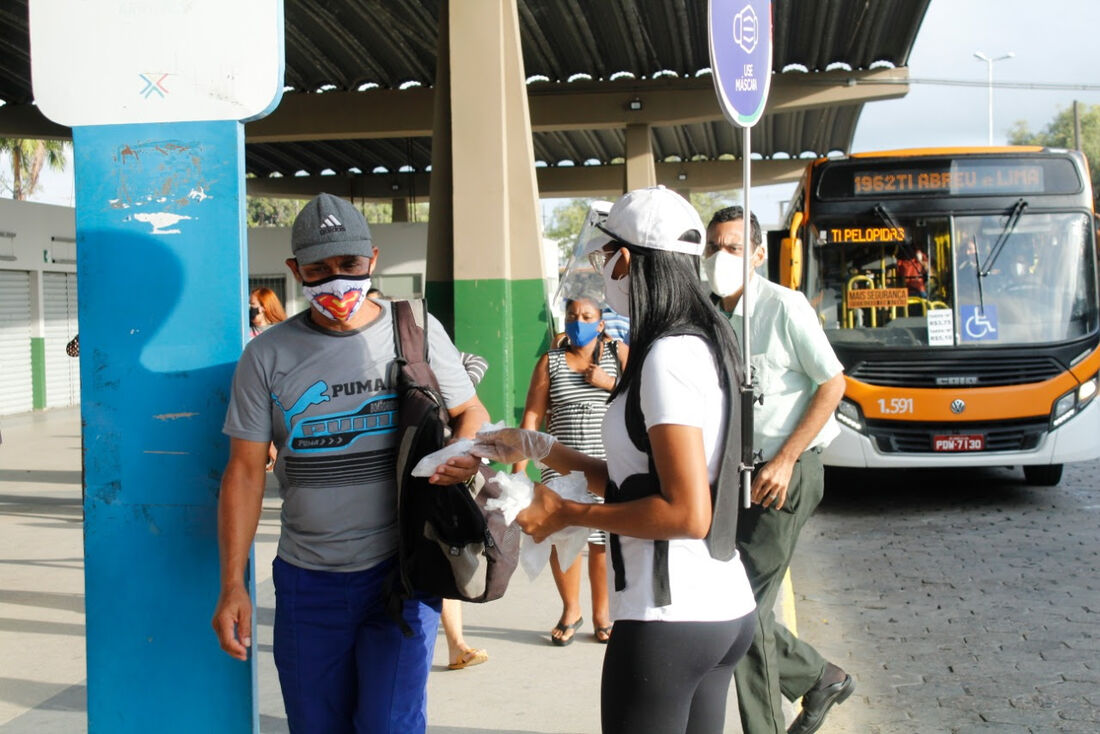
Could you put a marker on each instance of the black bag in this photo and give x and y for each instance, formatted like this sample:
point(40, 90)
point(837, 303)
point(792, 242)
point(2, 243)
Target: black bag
point(450, 546)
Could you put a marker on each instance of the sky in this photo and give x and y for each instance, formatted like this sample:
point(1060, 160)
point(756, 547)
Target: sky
point(1054, 41)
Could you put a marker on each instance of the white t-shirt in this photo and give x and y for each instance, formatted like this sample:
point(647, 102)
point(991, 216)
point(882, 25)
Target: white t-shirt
point(680, 386)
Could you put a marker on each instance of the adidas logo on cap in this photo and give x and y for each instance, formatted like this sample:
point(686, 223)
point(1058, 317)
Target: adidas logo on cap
point(331, 224)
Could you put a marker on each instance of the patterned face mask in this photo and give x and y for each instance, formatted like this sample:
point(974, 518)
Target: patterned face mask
point(338, 297)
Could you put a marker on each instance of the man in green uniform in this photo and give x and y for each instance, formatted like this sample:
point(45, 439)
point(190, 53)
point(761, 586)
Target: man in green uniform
point(801, 382)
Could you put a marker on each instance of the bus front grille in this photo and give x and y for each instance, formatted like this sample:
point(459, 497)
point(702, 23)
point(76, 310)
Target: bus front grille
point(894, 437)
point(954, 373)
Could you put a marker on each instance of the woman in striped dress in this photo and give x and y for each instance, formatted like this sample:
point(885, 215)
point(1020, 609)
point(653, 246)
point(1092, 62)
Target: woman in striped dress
point(569, 391)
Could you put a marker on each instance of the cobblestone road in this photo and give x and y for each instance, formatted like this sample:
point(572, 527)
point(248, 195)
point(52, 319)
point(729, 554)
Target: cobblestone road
point(961, 601)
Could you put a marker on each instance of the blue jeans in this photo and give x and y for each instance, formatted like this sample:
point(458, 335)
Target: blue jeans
point(344, 664)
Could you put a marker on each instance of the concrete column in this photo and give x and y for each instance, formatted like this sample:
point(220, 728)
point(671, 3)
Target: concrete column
point(641, 170)
point(400, 209)
point(498, 289)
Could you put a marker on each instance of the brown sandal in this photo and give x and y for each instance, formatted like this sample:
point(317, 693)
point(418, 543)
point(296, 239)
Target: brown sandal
point(469, 657)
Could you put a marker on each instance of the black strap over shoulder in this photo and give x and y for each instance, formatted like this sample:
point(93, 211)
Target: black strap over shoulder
point(722, 537)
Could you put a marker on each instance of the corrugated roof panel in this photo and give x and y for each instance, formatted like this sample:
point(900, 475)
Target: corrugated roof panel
point(346, 43)
point(15, 59)
point(263, 159)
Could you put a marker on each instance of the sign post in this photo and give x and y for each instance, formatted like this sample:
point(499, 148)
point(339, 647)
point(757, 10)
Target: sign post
point(155, 94)
point(740, 35)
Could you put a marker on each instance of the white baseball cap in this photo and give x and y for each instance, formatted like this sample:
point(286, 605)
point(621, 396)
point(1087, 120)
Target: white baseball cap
point(655, 218)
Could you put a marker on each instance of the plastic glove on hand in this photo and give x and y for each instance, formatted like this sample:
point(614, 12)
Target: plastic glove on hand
point(509, 445)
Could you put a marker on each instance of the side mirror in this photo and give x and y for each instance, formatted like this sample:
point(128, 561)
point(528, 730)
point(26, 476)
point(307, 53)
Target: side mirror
point(790, 256)
point(790, 263)
point(775, 249)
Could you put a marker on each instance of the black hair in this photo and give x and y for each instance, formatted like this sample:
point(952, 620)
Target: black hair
point(667, 298)
point(732, 214)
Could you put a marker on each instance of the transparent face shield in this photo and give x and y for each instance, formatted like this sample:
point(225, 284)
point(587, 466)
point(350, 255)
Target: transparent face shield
point(581, 276)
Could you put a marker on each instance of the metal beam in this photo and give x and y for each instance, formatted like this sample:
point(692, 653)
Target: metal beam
point(558, 182)
point(388, 113)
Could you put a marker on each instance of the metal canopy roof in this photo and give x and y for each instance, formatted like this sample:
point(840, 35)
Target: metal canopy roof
point(356, 45)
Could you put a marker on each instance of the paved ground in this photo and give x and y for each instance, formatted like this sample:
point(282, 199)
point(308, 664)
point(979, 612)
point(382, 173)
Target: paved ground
point(527, 686)
point(961, 602)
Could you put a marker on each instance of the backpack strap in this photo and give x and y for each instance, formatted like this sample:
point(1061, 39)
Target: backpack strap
point(724, 491)
point(410, 341)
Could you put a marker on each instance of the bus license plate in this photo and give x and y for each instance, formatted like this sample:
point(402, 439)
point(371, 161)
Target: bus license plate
point(970, 442)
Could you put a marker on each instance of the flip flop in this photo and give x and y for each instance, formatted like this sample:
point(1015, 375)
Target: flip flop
point(469, 657)
point(563, 628)
point(603, 634)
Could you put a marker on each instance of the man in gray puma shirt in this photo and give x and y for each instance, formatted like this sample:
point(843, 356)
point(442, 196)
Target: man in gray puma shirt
point(317, 385)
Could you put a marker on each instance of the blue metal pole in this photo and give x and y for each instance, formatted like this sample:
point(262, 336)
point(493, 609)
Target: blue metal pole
point(161, 263)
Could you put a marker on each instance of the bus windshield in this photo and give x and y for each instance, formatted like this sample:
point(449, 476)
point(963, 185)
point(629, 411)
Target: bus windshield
point(949, 280)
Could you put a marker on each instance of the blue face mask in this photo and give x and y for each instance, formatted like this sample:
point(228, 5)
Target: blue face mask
point(581, 332)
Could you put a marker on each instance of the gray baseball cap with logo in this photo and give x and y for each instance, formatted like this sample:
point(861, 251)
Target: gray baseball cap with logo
point(329, 226)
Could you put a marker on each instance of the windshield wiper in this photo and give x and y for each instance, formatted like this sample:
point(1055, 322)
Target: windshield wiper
point(887, 218)
point(998, 246)
point(978, 277)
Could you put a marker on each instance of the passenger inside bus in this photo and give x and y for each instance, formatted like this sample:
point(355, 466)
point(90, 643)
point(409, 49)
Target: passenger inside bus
point(912, 269)
point(966, 263)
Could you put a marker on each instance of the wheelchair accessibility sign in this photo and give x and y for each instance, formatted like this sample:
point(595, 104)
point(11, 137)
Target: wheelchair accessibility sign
point(978, 324)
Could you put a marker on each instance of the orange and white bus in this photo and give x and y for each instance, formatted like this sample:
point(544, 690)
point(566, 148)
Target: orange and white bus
point(959, 289)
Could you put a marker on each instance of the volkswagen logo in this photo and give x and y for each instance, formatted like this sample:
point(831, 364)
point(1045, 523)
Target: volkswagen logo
point(957, 406)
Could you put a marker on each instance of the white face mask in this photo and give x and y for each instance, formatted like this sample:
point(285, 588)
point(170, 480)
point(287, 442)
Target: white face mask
point(725, 272)
point(338, 297)
point(616, 292)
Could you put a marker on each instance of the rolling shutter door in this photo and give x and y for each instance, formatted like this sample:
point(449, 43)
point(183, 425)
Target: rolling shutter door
point(62, 371)
point(16, 389)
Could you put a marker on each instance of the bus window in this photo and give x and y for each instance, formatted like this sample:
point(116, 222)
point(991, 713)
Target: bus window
point(873, 281)
point(1003, 285)
point(1031, 284)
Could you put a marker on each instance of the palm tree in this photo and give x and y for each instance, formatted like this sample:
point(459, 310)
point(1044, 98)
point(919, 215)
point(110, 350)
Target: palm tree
point(27, 159)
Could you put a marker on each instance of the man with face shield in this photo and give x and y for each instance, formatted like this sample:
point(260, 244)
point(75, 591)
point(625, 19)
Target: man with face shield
point(318, 386)
point(800, 382)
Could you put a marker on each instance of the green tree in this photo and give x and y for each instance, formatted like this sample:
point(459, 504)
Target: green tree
point(272, 212)
point(708, 202)
point(566, 219)
point(564, 225)
point(1059, 134)
point(265, 211)
point(28, 158)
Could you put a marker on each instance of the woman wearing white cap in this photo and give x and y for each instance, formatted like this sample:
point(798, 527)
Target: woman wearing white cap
point(682, 608)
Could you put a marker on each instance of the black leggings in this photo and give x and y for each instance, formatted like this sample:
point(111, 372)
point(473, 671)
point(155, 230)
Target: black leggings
point(671, 677)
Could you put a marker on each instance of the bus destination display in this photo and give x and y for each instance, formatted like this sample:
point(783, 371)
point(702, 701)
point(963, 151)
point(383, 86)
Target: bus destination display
point(961, 178)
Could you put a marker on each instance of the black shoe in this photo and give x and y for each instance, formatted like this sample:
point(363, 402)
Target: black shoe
point(817, 701)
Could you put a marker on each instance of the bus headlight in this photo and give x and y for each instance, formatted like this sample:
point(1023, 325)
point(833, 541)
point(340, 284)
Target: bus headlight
point(1067, 405)
point(1063, 408)
point(849, 414)
point(1087, 391)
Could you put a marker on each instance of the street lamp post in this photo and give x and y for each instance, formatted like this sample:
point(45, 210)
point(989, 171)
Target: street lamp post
point(989, 66)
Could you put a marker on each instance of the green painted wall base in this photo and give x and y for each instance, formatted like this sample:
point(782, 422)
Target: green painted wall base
point(38, 372)
point(505, 321)
point(440, 295)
